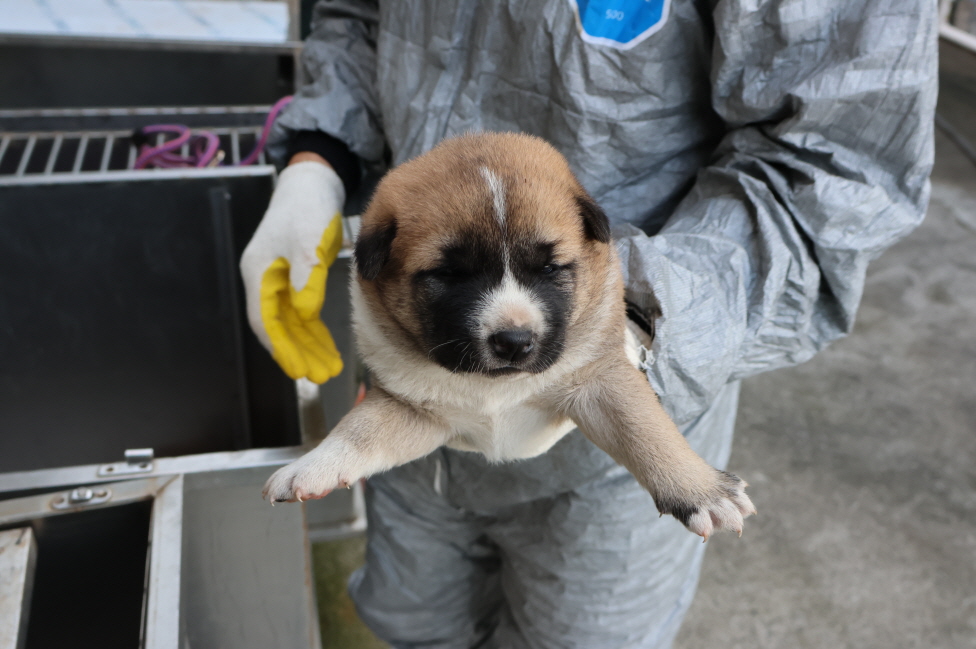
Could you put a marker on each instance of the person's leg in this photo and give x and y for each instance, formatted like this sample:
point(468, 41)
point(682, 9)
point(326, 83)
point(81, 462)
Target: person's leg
point(431, 576)
point(596, 567)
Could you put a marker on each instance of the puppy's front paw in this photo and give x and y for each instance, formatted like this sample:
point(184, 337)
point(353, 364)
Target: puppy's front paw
point(721, 506)
point(314, 475)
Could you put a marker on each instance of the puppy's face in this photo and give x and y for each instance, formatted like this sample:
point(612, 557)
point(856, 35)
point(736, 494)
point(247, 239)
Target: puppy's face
point(483, 251)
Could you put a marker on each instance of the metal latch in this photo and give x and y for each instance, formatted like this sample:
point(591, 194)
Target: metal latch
point(137, 460)
point(81, 497)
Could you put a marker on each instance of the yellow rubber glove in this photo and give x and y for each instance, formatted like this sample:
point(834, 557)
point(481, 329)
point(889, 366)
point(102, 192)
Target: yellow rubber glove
point(285, 267)
point(300, 342)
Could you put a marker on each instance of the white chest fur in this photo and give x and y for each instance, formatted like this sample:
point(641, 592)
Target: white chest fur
point(507, 432)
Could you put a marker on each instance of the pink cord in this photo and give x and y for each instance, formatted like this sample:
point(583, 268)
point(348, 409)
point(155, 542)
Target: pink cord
point(268, 123)
point(204, 145)
point(147, 154)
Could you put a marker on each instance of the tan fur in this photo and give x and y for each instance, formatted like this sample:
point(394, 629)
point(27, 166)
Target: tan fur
point(417, 405)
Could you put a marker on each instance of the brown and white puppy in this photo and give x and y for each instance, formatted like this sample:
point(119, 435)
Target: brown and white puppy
point(489, 307)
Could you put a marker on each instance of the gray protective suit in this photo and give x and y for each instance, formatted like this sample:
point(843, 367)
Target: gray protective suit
point(772, 149)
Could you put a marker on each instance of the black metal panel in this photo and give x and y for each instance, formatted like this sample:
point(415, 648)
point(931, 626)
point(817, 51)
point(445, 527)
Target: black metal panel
point(122, 324)
point(52, 120)
point(61, 76)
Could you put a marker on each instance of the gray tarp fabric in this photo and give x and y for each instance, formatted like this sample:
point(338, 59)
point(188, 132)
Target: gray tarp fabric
point(772, 148)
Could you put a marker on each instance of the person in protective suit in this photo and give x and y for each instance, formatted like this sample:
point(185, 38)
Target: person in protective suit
point(753, 157)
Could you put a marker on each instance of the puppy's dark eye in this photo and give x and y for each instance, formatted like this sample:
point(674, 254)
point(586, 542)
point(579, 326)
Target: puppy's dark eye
point(548, 269)
point(447, 273)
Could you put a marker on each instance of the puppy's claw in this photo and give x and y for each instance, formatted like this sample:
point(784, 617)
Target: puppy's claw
point(316, 474)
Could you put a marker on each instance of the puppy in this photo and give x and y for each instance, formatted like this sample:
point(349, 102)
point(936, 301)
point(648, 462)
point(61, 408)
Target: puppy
point(489, 307)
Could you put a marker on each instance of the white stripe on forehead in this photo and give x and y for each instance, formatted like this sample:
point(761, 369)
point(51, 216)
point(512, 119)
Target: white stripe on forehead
point(497, 188)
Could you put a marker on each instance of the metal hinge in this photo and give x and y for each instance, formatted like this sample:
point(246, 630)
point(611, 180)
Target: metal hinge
point(81, 497)
point(137, 460)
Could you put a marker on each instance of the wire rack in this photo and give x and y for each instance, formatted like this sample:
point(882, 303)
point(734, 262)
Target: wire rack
point(94, 152)
point(53, 153)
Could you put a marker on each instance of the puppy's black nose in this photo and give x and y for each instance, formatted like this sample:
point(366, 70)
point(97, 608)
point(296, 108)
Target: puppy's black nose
point(512, 345)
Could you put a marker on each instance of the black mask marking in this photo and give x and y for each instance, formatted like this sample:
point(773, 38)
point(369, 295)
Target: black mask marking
point(449, 296)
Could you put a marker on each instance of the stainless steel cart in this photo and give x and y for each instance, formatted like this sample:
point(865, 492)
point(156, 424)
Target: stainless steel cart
point(139, 417)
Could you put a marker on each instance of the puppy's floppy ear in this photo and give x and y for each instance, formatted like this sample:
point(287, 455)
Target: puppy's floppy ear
point(596, 225)
point(373, 249)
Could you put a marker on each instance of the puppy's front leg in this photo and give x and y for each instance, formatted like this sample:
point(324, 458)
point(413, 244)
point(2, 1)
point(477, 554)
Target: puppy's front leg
point(616, 408)
point(378, 434)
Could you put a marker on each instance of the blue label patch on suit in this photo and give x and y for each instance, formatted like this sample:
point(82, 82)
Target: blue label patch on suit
point(621, 24)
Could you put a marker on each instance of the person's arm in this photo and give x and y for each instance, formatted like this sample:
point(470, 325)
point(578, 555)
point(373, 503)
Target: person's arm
point(322, 135)
point(829, 107)
point(316, 146)
point(336, 113)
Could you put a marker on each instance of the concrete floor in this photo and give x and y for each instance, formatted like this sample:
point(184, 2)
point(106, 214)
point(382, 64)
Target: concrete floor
point(862, 462)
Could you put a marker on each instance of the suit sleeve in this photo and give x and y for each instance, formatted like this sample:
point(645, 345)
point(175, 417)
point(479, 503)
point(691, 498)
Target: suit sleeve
point(339, 97)
point(829, 113)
